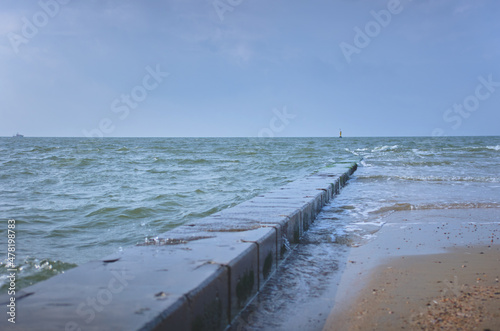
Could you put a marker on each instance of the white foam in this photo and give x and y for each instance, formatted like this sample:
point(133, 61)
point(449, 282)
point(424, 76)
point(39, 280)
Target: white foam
point(370, 223)
point(351, 228)
point(352, 152)
point(384, 148)
point(364, 164)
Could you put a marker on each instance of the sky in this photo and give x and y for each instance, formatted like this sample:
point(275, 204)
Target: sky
point(249, 68)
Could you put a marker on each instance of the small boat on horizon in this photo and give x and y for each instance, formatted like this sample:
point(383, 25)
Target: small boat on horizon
point(17, 135)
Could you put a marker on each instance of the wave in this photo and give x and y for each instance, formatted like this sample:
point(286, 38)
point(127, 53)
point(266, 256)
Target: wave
point(135, 213)
point(32, 270)
point(426, 163)
point(452, 179)
point(86, 162)
point(364, 164)
point(474, 149)
point(27, 172)
point(41, 149)
point(246, 153)
point(156, 171)
point(393, 208)
point(422, 152)
point(364, 151)
point(408, 206)
point(482, 148)
point(385, 148)
point(193, 161)
point(103, 211)
point(430, 178)
point(355, 152)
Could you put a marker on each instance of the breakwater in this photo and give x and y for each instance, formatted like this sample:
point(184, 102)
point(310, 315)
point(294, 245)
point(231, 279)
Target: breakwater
point(195, 277)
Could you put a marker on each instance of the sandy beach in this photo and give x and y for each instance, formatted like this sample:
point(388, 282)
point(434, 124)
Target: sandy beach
point(425, 270)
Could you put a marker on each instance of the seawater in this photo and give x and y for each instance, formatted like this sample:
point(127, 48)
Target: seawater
point(79, 199)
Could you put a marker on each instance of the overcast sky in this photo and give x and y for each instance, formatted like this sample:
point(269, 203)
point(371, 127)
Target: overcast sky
point(250, 68)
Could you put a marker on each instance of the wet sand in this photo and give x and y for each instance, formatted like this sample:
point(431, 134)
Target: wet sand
point(424, 270)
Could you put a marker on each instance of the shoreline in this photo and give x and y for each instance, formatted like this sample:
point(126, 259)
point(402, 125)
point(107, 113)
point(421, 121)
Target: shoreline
point(425, 270)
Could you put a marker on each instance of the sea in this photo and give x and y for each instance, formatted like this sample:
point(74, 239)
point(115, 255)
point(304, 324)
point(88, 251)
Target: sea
point(75, 200)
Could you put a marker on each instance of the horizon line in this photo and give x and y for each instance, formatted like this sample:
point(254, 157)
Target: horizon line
point(253, 137)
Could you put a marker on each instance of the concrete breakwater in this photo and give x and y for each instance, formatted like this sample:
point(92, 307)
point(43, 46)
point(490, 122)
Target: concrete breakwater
point(198, 276)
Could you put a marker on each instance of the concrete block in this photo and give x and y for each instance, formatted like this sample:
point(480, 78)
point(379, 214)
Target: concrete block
point(343, 179)
point(142, 288)
point(263, 216)
point(250, 257)
point(242, 260)
point(203, 286)
point(225, 224)
point(294, 227)
point(308, 215)
point(209, 304)
point(178, 316)
point(286, 220)
point(265, 219)
point(266, 242)
point(337, 186)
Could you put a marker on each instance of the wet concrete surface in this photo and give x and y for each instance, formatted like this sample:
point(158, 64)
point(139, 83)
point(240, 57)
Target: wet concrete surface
point(301, 294)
